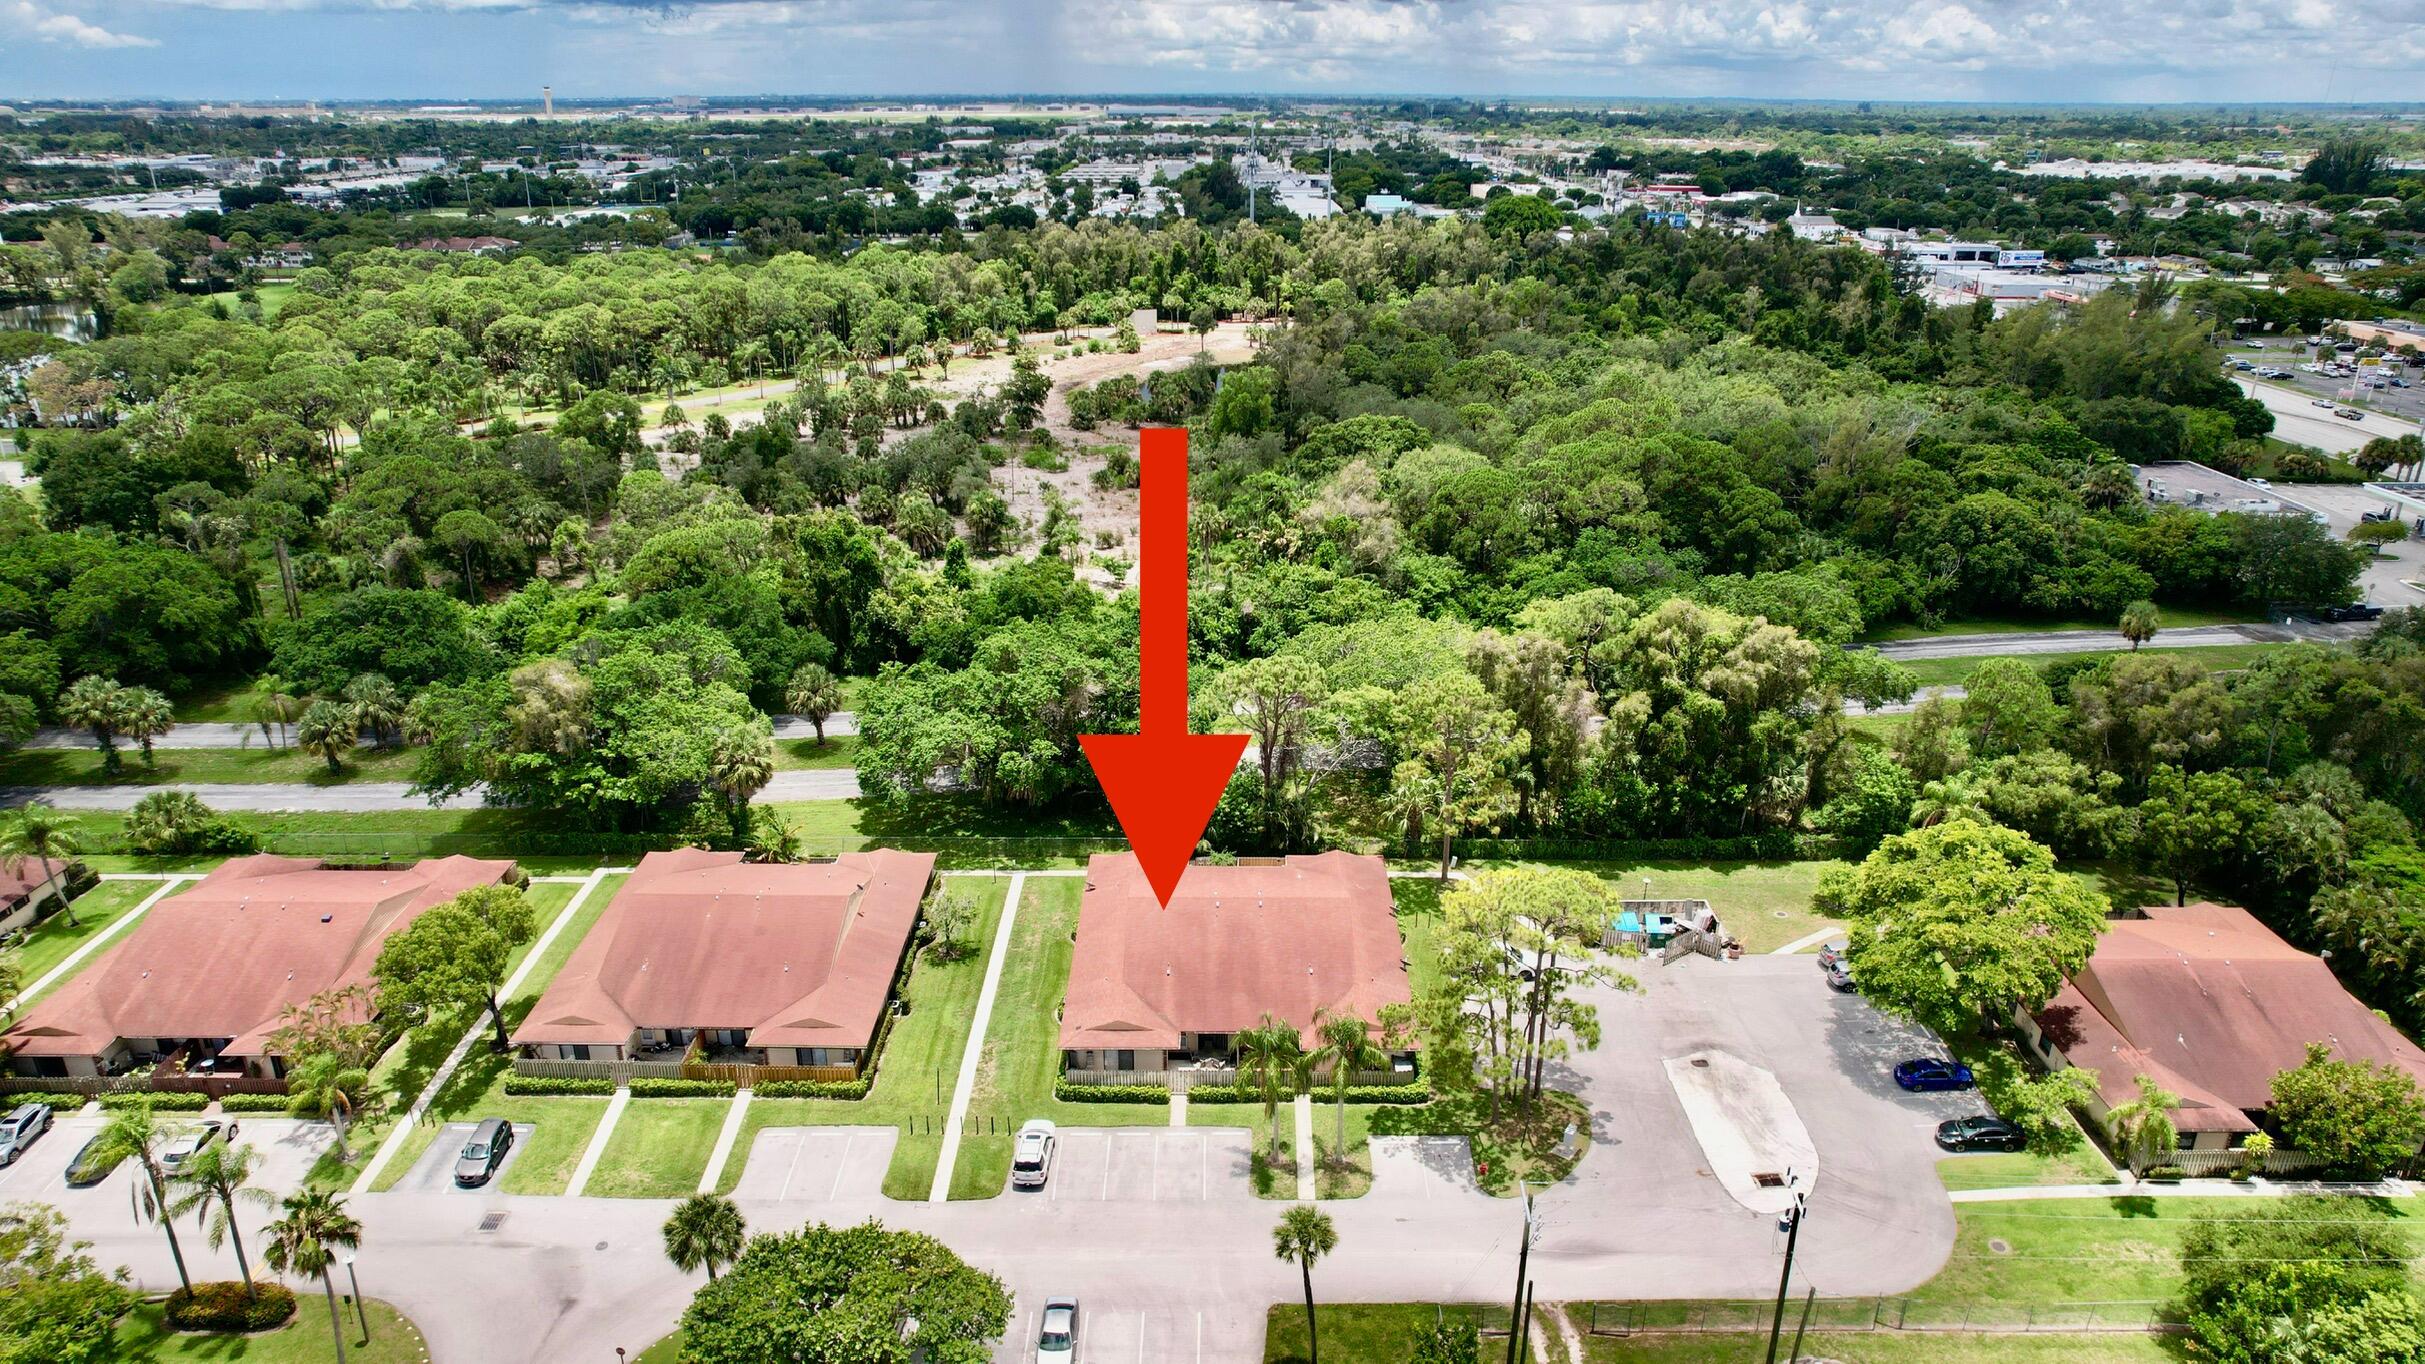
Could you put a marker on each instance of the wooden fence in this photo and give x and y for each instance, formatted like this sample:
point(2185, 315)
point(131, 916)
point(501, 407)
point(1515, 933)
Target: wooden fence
point(217, 1086)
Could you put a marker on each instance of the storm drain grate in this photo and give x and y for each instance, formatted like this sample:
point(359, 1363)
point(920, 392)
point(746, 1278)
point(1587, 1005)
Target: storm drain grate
point(490, 1221)
point(1768, 1179)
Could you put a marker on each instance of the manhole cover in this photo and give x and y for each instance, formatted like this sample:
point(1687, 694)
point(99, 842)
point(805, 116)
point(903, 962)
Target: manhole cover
point(1780, 914)
point(490, 1221)
point(2000, 1246)
point(1700, 1063)
point(601, 1245)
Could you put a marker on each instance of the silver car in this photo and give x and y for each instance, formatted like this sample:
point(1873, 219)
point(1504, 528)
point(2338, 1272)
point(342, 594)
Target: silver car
point(18, 1130)
point(176, 1153)
point(1057, 1334)
point(1031, 1155)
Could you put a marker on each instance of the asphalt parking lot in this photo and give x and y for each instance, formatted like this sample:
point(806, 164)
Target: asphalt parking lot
point(1140, 1335)
point(284, 1150)
point(434, 1172)
point(2405, 403)
point(1876, 1194)
point(816, 1164)
point(1149, 1165)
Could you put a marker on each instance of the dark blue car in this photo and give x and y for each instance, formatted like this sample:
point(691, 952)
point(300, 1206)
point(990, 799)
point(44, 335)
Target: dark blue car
point(1928, 1072)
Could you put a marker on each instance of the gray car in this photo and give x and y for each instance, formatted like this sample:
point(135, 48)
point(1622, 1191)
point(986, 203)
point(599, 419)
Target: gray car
point(18, 1130)
point(483, 1153)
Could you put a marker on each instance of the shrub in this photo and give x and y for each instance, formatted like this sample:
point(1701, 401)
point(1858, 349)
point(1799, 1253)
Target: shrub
point(225, 1306)
point(1111, 1094)
point(255, 1103)
point(541, 1085)
point(1401, 1096)
point(61, 1103)
point(161, 1101)
point(681, 1089)
point(177, 823)
point(813, 1089)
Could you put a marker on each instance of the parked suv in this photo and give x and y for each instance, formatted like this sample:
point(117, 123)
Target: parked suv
point(18, 1130)
point(483, 1153)
point(1031, 1154)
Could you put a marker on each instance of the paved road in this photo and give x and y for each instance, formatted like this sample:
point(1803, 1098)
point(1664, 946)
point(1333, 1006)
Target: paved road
point(363, 797)
point(2099, 641)
point(2297, 419)
point(214, 734)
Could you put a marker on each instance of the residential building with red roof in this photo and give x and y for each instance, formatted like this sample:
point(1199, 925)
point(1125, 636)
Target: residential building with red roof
point(27, 888)
point(790, 964)
point(208, 974)
point(2211, 1004)
point(1155, 989)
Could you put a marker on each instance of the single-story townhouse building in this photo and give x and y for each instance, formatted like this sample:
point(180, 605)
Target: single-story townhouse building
point(2211, 1005)
point(30, 891)
point(1154, 989)
point(784, 964)
point(208, 974)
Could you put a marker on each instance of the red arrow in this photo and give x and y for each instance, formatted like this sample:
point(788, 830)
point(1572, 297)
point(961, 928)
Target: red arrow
point(1163, 782)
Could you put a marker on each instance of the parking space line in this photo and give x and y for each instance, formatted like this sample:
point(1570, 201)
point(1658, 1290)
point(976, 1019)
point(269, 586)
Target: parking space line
point(841, 1165)
point(799, 1143)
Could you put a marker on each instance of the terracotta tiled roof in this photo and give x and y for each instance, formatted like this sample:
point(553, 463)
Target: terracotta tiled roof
point(16, 885)
point(226, 958)
point(1311, 934)
point(801, 955)
point(2212, 1004)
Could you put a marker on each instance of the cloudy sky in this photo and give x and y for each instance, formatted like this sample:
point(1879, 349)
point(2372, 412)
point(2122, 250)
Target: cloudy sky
point(2039, 50)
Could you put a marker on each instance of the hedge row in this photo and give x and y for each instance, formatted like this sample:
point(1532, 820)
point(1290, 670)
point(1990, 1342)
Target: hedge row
point(682, 1089)
point(813, 1089)
point(520, 1085)
point(1110, 1094)
point(226, 1306)
point(64, 1103)
point(160, 1101)
point(255, 1103)
point(1402, 1095)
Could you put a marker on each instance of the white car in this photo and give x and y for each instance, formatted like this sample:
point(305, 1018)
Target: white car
point(174, 1155)
point(1057, 1333)
point(1031, 1155)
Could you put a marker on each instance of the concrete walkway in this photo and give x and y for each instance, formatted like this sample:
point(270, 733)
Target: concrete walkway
point(1809, 940)
point(598, 1140)
point(973, 1051)
point(1305, 1147)
point(724, 1142)
point(364, 1182)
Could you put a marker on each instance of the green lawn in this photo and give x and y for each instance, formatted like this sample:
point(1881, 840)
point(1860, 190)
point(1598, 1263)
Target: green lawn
point(223, 700)
point(1946, 672)
point(2020, 1169)
point(143, 1338)
point(83, 766)
point(56, 938)
point(1766, 904)
point(841, 750)
point(920, 1064)
point(659, 1148)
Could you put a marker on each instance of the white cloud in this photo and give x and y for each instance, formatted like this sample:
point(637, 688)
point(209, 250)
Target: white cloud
point(67, 28)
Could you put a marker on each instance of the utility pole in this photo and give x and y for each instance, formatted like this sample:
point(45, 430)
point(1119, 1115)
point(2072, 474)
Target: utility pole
point(1515, 1310)
point(1792, 1221)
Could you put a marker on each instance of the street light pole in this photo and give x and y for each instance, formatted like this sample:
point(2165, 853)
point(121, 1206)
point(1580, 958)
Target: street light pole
point(1793, 1233)
point(1515, 1311)
point(360, 1315)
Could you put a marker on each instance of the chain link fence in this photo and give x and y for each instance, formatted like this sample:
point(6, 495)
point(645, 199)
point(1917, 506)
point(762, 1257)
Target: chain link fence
point(1871, 1314)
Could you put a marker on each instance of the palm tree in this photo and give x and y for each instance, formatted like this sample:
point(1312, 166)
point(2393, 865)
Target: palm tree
point(97, 704)
point(377, 705)
point(306, 1242)
point(772, 838)
point(1347, 1047)
point(213, 1178)
point(274, 709)
point(146, 715)
point(815, 692)
point(741, 764)
point(326, 1083)
point(38, 834)
point(133, 1134)
point(1272, 1062)
point(2142, 1129)
point(705, 1230)
point(327, 732)
point(1304, 1236)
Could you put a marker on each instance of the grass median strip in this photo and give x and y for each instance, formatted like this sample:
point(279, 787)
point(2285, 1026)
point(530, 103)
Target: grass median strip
point(659, 1148)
